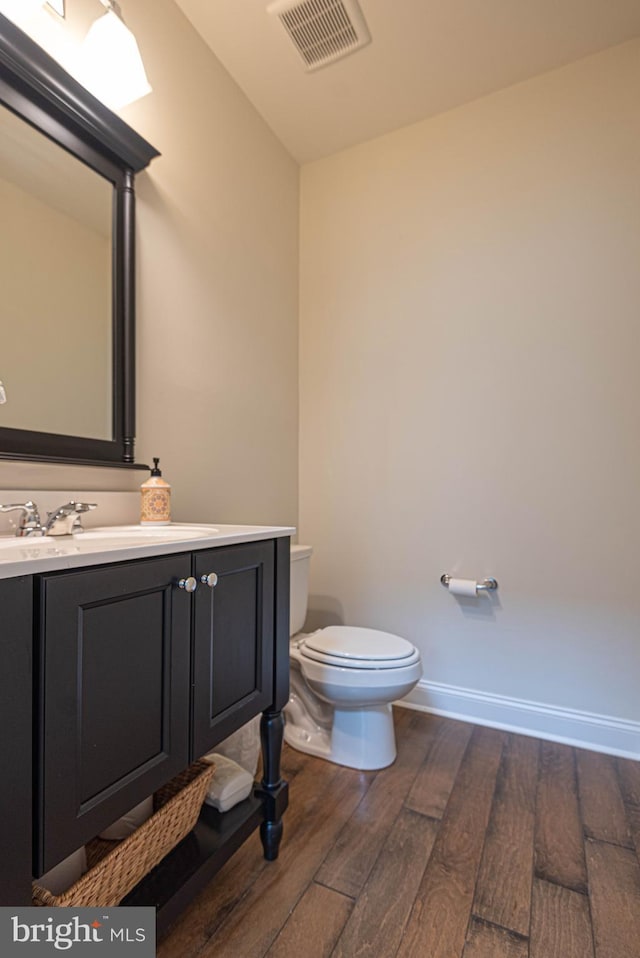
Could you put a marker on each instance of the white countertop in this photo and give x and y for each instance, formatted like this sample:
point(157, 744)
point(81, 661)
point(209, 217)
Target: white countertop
point(25, 556)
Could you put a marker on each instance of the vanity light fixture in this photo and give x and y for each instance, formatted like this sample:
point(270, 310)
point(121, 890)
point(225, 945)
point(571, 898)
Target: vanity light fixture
point(19, 11)
point(56, 6)
point(110, 65)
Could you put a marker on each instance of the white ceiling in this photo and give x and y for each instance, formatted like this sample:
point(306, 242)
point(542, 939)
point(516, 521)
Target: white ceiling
point(426, 56)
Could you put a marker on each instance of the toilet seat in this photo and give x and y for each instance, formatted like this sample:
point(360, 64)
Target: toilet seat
point(349, 647)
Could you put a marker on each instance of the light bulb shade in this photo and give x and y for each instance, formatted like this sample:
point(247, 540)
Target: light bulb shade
point(19, 11)
point(109, 63)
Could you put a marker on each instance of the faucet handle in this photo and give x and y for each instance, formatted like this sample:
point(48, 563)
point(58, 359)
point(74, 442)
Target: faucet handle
point(30, 519)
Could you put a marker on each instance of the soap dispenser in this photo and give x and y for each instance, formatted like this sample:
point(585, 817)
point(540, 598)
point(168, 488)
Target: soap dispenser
point(155, 505)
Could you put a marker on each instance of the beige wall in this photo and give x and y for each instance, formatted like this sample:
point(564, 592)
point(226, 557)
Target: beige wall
point(470, 400)
point(217, 219)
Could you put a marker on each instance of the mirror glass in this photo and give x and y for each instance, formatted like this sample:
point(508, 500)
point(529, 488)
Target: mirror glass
point(56, 280)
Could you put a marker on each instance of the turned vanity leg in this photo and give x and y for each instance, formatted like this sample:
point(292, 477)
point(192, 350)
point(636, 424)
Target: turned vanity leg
point(273, 789)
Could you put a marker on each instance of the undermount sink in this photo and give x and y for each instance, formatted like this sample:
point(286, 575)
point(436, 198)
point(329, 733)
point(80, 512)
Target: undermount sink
point(174, 531)
point(23, 542)
point(14, 548)
point(21, 548)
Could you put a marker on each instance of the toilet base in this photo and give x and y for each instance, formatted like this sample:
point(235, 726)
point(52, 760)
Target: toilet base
point(361, 738)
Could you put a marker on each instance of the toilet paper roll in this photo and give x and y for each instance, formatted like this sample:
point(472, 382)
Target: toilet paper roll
point(463, 586)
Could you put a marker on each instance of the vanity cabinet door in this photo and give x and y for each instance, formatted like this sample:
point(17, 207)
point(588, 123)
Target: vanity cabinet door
point(16, 602)
point(114, 661)
point(233, 640)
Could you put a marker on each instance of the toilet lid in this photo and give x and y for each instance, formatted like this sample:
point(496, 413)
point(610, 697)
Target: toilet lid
point(351, 647)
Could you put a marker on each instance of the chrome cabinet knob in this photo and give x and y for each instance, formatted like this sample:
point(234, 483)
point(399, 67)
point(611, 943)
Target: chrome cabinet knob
point(189, 585)
point(211, 580)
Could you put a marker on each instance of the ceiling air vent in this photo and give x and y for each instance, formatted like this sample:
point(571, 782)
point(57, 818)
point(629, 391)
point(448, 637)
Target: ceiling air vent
point(322, 30)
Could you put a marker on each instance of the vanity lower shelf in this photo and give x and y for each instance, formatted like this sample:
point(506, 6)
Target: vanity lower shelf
point(174, 883)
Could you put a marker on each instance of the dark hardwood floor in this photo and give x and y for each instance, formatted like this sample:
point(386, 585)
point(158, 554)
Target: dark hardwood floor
point(475, 843)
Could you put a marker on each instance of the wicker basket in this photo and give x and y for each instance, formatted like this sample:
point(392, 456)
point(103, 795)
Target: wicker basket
point(116, 867)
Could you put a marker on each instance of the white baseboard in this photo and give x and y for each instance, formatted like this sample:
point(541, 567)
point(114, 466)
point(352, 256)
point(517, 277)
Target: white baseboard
point(600, 733)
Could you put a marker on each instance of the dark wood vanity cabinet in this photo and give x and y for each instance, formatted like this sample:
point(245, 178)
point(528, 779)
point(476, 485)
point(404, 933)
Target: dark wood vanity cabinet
point(15, 740)
point(114, 660)
point(233, 640)
point(138, 677)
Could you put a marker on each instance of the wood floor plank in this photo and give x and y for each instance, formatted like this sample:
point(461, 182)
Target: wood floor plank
point(216, 902)
point(559, 845)
point(603, 812)
point(560, 923)
point(440, 916)
point(633, 817)
point(432, 787)
point(376, 925)
point(503, 891)
point(348, 865)
point(314, 925)
point(629, 778)
point(614, 882)
point(292, 761)
point(488, 941)
point(259, 916)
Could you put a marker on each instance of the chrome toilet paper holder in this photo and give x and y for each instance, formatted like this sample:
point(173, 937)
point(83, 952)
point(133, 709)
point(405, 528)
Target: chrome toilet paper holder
point(487, 585)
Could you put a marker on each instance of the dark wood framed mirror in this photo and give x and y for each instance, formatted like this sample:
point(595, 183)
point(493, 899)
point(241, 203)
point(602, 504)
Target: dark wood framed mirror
point(67, 313)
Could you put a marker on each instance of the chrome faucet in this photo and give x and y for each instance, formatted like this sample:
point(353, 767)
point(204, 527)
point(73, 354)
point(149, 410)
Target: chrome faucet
point(61, 522)
point(66, 519)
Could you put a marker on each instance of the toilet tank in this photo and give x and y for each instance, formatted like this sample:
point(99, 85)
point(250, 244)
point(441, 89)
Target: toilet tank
point(299, 590)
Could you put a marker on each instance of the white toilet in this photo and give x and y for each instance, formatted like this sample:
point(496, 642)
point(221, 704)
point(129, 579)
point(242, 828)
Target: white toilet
point(343, 681)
